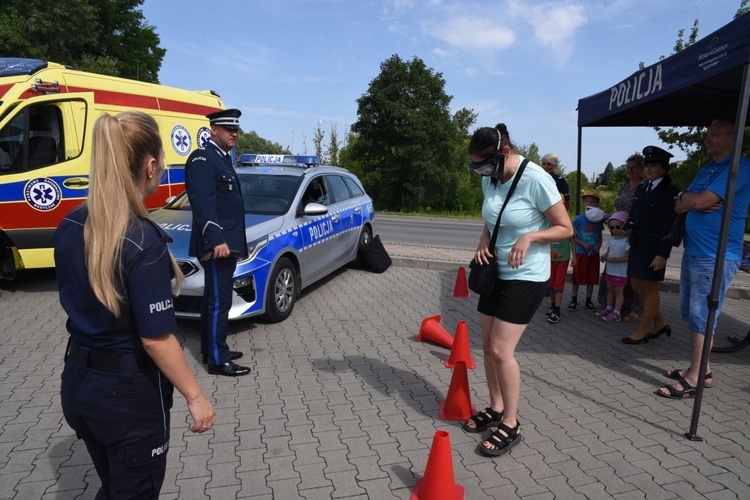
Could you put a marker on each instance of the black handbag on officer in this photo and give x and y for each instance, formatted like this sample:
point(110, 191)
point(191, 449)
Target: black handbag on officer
point(482, 276)
point(677, 231)
point(373, 256)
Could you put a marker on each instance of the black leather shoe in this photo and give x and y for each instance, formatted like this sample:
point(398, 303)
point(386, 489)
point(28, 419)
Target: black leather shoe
point(628, 340)
point(232, 356)
point(665, 329)
point(229, 369)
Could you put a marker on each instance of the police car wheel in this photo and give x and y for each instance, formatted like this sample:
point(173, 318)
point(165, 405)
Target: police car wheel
point(364, 238)
point(282, 291)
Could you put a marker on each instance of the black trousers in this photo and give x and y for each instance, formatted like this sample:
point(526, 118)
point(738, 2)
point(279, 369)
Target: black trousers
point(217, 300)
point(123, 417)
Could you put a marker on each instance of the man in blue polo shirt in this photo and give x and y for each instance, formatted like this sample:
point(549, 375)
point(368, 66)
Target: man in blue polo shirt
point(703, 201)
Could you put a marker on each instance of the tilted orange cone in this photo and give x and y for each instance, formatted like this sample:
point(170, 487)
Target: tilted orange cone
point(460, 350)
point(462, 288)
point(432, 330)
point(438, 482)
point(457, 405)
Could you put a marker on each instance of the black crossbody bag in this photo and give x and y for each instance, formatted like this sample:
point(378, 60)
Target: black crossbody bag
point(482, 276)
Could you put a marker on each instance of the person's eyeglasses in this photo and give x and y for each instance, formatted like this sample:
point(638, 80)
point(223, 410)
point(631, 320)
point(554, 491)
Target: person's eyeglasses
point(612, 228)
point(548, 164)
point(484, 167)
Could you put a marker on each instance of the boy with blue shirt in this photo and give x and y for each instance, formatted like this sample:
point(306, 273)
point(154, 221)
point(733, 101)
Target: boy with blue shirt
point(587, 229)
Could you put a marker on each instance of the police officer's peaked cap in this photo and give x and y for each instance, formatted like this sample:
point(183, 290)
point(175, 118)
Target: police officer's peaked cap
point(227, 118)
point(654, 154)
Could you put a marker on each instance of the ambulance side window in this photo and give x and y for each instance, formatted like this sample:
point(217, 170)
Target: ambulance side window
point(32, 139)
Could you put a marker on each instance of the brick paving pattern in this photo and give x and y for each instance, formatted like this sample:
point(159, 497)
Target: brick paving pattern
point(343, 401)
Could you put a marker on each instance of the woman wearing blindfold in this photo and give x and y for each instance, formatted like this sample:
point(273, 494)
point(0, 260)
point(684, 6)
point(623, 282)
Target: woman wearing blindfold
point(534, 217)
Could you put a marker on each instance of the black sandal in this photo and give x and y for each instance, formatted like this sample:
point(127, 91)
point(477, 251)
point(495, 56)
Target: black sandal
point(676, 375)
point(503, 439)
point(688, 391)
point(483, 420)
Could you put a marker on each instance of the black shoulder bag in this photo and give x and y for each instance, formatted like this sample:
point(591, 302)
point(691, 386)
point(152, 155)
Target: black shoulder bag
point(482, 276)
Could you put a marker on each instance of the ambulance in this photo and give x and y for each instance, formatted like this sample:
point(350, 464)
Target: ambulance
point(47, 115)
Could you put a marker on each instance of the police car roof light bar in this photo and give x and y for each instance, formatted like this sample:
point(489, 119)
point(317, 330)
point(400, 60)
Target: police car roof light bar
point(262, 159)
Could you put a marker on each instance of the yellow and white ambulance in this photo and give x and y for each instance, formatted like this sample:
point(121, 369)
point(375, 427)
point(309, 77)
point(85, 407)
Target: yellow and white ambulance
point(47, 113)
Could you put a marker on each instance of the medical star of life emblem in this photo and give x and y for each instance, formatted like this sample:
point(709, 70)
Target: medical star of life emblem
point(181, 141)
point(204, 135)
point(42, 194)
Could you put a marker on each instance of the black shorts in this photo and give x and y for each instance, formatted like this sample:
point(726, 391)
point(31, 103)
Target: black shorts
point(513, 301)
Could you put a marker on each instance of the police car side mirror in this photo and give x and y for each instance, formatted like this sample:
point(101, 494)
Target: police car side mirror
point(314, 209)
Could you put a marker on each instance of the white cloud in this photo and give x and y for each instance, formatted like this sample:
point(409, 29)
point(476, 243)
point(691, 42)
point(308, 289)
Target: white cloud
point(554, 23)
point(471, 32)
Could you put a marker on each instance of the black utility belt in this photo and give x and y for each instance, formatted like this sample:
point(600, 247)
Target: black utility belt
point(109, 361)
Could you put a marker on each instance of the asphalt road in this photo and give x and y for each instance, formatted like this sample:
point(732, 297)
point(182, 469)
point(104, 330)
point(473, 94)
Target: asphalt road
point(446, 232)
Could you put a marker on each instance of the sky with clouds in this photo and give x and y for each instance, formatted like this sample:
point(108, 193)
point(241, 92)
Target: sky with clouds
point(291, 64)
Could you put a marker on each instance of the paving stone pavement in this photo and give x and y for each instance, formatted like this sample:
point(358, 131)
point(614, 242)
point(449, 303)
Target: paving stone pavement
point(343, 402)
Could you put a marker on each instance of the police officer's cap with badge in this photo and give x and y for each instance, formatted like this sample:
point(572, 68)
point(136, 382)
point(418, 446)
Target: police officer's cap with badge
point(655, 154)
point(226, 118)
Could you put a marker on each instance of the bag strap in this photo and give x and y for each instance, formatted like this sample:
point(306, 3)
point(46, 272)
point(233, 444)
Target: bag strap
point(521, 168)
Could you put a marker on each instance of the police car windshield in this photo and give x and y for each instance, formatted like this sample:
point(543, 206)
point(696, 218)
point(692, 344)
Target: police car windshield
point(262, 194)
point(268, 194)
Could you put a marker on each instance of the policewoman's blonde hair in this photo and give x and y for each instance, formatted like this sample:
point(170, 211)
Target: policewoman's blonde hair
point(121, 147)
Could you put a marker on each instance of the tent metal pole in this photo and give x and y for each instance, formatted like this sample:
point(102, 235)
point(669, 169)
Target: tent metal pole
point(713, 298)
point(578, 176)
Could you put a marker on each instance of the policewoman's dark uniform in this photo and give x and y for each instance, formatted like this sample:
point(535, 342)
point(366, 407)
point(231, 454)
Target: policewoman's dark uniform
point(113, 395)
point(218, 217)
point(652, 214)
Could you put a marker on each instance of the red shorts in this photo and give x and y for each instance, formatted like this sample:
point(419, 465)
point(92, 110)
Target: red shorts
point(586, 270)
point(558, 271)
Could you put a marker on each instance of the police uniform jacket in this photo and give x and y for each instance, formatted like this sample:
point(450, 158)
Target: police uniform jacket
point(652, 214)
point(213, 189)
point(143, 279)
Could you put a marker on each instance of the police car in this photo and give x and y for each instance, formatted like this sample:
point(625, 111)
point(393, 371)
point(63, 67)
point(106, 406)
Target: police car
point(303, 221)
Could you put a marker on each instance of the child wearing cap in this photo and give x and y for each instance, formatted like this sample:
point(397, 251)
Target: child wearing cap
point(616, 268)
point(587, 229)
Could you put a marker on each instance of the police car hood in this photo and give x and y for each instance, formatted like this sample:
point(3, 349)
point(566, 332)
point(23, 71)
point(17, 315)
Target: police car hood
point(179, 223)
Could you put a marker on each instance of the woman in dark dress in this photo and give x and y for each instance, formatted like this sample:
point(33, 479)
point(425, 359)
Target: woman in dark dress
point(651, 217)
point(631, 307)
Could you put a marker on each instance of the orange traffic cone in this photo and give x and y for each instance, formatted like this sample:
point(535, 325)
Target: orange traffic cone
point(460, 350)
point(438, 482)
point(462, 288)
point(458, 404)
point(432, 330)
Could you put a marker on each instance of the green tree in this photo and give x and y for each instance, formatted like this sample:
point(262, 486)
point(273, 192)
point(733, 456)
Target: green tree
point(251, 142)
point(318, 143)
point(406, 137)
point(334, 146)
point(531, 152)
point(104, 36)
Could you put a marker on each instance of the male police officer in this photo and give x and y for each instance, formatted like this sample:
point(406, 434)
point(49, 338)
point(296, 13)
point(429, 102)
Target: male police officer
point(218, 236)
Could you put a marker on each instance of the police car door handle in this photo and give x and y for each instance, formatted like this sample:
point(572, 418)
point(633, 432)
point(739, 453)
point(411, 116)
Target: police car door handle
point(335, 217)
point(357, 209)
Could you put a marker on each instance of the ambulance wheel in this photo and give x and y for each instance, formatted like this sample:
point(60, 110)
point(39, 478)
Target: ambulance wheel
point(364, 238)
point(282, 291)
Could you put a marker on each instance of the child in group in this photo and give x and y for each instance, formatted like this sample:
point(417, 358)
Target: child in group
point(587, 233)
point(561, 255)
point(616, 268)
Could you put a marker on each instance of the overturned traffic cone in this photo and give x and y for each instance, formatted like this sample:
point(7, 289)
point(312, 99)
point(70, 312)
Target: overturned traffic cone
point(462, 288)
point(460, 350)
point(457, 405)
point(438, 482)
point(432, 330)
